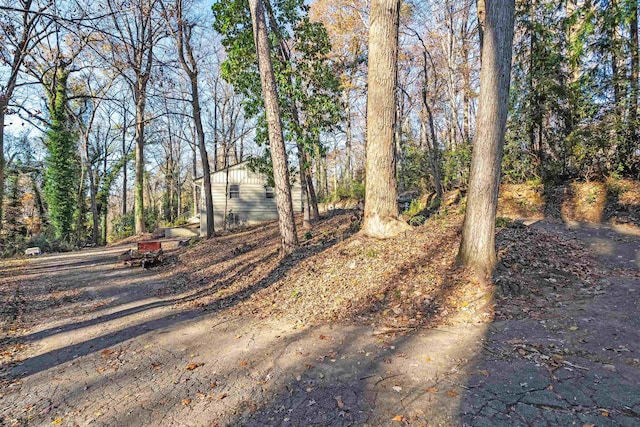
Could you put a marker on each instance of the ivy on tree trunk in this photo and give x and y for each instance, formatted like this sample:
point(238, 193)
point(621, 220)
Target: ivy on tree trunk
point(62, 162)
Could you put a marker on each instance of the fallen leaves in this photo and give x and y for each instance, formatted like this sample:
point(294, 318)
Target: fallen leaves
point(192, 366)
point(186, 401)
point(398, 418)
point(540, 268)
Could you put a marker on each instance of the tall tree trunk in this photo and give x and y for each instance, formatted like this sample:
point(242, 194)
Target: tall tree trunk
point(434, 151)
point(615, 56)
point(139, 178)
point(325, 175)
point(349, 136)
point(124, 162)
point(311, 192)
point(306, 206)
point(104, 203)
point(466, 77)
point(573, 77)
point(274, 125)
point(477, 248)
point(93, 194)
point(318, 170)
point(381, 195)
point(194, 173)
point(397, 138)
point(3, 108)
point(481, 13)
point(635, 69)
point(81, 206)
point(216, 163)
point(310, 206)
point(204, 156)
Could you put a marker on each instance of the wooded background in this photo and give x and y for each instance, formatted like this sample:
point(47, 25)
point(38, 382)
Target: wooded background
point(109, 109)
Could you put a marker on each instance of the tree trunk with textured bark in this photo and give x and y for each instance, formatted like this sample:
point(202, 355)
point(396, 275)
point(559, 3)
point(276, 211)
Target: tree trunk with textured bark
point(204, 155)
point(477, 248)
point(3, 108)
point(124, 161)
point(635, 71)
point(349, 138)
point(276, 140)
point(381, 219)
point(138, 195)
point(187, 60)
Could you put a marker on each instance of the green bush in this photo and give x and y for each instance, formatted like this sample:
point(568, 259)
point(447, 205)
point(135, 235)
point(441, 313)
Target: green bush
point(353, 190)
point(456, 165)
point(357, 190)
point(417, 220)
point(502, 222)
point(415, 207)
point(123, 224)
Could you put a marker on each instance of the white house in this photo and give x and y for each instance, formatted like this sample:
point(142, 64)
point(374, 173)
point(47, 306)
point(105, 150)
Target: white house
point(242, 197)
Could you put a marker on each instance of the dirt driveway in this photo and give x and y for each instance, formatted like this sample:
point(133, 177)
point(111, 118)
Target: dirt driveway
point(100, 348)
point(87, 341)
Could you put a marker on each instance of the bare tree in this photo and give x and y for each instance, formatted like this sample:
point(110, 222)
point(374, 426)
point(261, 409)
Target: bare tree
point(85, 118)
point(429, 139)
point(21, 29)
point(182, 34)
point(136, 31)
point(381, 196)
point(276, 139)
point(477, 248)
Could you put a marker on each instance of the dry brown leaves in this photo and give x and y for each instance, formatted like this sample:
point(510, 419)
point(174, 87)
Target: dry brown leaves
point(396, 284)
point(400, 283)
point(539, 269)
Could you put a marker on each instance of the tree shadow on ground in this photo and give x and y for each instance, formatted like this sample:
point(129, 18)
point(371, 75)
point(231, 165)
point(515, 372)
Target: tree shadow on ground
point(369, 378)
point(553, 354)
point(404, 371)
point(196, 294)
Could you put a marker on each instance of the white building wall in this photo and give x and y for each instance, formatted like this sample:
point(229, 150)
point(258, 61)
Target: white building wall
point(252, 206)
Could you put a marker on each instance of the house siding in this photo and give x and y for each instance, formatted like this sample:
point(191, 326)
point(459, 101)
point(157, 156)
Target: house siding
point(252, 206)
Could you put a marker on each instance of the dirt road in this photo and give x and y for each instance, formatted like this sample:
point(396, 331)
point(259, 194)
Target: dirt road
point(87, 341)
point(106, 351)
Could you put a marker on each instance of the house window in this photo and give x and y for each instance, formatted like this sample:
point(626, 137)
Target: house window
point(234, 191)
point(268, 192)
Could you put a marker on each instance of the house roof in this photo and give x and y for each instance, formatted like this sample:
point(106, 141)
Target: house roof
point(222, 170)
